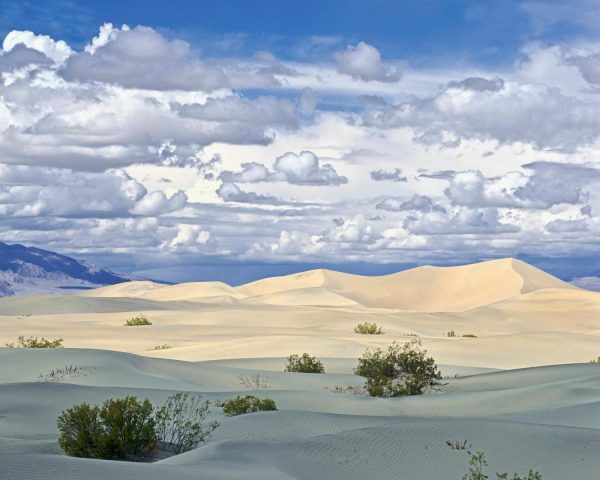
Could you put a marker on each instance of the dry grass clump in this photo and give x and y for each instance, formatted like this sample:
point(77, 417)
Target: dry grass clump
point(34, 342)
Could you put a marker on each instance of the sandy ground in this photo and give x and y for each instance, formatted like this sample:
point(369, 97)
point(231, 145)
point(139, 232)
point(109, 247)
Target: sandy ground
point(523, 391)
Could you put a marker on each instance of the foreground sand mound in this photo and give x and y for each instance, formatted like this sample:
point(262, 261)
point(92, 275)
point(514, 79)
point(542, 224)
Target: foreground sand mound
point(524, 418)
point(427, 289)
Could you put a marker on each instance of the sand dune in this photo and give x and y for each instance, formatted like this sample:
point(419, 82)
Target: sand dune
point(316, 433)
point(428, 289)
point(544, 417)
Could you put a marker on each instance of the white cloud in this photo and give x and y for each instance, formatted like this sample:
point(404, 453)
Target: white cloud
point(58, 51)
point(364, 61)
point(141, 57)
point(157, 203)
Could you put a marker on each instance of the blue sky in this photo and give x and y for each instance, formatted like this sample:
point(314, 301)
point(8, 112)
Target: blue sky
point(418, 30)
point(233, 140)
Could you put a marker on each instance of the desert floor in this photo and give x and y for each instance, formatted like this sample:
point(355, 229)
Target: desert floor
point(523, 391)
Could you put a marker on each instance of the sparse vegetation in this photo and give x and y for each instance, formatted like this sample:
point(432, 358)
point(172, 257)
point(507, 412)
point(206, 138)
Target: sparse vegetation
point(347, 389)
point(164, 346)
point(597, 360)
point(477, 463)
point(119, 429)
point(401, 370)
point(458, 444)
point(70, 371)
point(469, 335)
point(451, 334)
point(181, 423)
point(254, 381)
point(34, 342)
point(247, 404)
point(368, 329)
point(304, 364)
point(126, 429)
point(137, 321)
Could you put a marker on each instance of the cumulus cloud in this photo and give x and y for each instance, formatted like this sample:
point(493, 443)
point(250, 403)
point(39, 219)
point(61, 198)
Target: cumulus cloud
point(230, 192)
point(142, 58)
point(420, 203)
point(304, 168)
point(260, 111)
point(58, 51)
point(394, 175)
point(547, 184)
point(34, 191)
point(508, 112)
point(364, 62)
point(157, 203)
point(190, 236)
point(483, 221)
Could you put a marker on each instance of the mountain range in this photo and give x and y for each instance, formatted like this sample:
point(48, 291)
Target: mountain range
point(29, 270)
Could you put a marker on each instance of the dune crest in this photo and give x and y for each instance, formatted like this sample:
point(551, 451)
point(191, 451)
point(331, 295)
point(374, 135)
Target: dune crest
point(424, 289)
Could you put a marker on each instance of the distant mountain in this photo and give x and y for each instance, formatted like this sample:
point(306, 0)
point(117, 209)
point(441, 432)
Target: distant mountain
point(29, 270)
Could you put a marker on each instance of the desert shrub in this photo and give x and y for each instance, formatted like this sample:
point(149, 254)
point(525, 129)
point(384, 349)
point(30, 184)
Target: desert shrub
point(119, 429)
point(469, 335)
point(181, 423)
point(34, 342)
point(254, 381)
point(247, 404)
point(451, 334)
point(368, 329)
point(137, 321)
point(597, 360)
point(458, 444)
point(401, 370)
point(80, 431)
point(477, 463)
point(164, 346)
point(304, 364)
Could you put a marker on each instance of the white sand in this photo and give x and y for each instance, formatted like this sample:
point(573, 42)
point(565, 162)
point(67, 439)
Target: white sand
point(546, 417)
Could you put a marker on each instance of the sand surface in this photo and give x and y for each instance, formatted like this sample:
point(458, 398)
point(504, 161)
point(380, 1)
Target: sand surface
point(523, 391)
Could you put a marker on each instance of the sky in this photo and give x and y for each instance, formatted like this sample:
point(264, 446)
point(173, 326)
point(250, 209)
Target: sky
point(234, 140)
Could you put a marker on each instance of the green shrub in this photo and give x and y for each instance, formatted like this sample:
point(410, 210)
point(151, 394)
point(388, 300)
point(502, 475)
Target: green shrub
point(304, 364)
point(469, 335)
point(121, 429)
point(597, 360)
point(164, 346)
point(477, 462)
point(181, 422)
point(247, 404)
point(137, 321)
point(451, 334)
point(34, 342)
point(368, 329)
point(401, 370)
point(80, 431)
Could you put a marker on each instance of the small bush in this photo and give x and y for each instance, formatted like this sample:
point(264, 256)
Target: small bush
point(121, 429)
point(181, 422)
point(304, 364)
point(451, 334)
point(137, 321)
point(34, 342)
point(368, 329)
point(402, 370)
point(164, 346)
point(469, 335)
point(247, 404)
point(70, 371)
point(597, 360)
point(477, 462)
point(254, 381)
point(458, 444)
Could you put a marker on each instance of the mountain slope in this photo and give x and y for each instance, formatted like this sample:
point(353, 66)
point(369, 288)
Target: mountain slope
point(25, 270)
